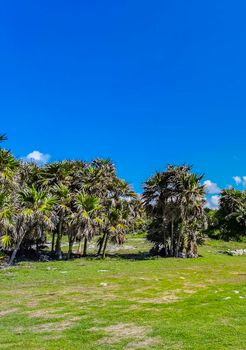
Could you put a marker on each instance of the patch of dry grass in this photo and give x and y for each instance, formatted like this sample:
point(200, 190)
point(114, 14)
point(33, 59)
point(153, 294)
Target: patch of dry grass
point(8, 312)
point(137, 336)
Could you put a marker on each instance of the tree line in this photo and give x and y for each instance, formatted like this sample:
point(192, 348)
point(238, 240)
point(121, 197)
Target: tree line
point(87, 200)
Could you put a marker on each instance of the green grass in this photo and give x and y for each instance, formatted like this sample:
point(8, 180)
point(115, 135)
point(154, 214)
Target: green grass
point(122, 303)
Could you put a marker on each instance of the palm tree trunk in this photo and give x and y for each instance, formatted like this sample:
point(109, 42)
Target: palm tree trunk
point(58, 240)
point(79, 246)
point(179, 241)
point(164, 243)
point(171, 247)
point(58, 247)
point(105, 246)
point(85, 246)
point(177, 246)
point(12, 258)
point(101, 244)
point(53, 242)
point(70, 248)
point(192, 246)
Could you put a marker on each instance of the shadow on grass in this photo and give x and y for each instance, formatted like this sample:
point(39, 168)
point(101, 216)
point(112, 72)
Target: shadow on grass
point(131, 256)
point(47, 256)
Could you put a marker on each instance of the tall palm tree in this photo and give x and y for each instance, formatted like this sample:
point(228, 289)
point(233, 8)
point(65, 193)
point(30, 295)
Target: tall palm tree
point(174, 199)
point(241, 215)
point(87, 217)
point(230, 213)
point(33, 212)
point(63, 210)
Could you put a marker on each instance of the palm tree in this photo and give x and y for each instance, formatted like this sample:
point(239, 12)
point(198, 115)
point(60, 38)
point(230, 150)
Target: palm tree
point(8, 167)
point(63, 210)
point(33, 212)
point(88, 208)
point(191, 200)
point(241, 215)
point(231, 213)
point(6, 216)
point(114, 229)
point(174, 199)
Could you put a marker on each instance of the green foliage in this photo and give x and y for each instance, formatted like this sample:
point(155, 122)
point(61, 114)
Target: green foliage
point(69, 198)
point(6, 241)
point(174, 201)
point(229, 221)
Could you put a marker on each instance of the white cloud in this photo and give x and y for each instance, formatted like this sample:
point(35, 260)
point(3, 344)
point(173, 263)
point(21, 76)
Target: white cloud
point(244, 180)
point(212, 202)
point(237, 179)
point(37, 157)
point(211, 187)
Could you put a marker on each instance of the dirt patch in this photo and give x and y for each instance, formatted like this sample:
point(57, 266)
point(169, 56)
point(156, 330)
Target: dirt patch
point(52, 337)
point(8, 312)
point(134, 307)
point(144, 344)
point(137, 335)
point(44, 313)
point(33, 303)
point(55, 326)
point(162, 299)
point(189, 291)
point(195, 285)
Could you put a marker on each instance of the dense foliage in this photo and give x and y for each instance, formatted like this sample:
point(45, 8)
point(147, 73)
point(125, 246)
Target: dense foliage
point(40, 205)
point(229, 221)
point(70, 198)
point(174, 200)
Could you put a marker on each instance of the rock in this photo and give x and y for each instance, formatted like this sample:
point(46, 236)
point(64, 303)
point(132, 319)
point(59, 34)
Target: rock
point(235, 252)
point(103, 284)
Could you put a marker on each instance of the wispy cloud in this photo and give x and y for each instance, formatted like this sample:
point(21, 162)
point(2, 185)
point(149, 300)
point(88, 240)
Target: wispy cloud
point(211, 187)
point(37, 157)
point(240, 180)
point(244, 180)
point(237, 179)
point(212, 202)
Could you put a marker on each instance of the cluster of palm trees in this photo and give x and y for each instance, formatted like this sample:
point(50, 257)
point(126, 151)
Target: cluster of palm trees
point(229, 221)
point(75, 199)
point(87, 200)
point(174, 199)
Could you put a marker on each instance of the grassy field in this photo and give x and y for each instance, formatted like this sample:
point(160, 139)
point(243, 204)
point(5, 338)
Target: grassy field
point(128, 301)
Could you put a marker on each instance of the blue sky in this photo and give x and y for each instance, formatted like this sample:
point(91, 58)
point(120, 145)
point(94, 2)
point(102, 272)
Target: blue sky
point(145, 83)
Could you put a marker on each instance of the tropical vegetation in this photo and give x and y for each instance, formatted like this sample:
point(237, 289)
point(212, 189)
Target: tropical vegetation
point(72, 199)
point(229, 220)
point(41, 206)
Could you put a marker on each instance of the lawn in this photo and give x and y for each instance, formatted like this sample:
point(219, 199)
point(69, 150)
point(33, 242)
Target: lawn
point(127, 301)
